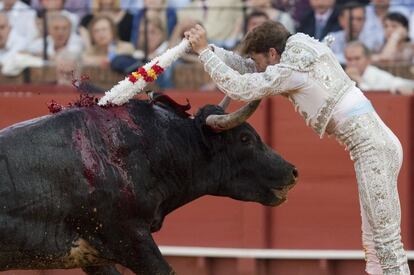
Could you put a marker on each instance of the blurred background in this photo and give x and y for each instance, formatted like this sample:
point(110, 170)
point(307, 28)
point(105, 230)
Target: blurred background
point(47, 46)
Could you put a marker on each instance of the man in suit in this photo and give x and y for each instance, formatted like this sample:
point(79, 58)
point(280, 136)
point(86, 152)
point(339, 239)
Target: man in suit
point(321, 20)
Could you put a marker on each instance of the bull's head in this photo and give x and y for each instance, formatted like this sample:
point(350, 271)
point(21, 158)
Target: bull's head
point(246, 168)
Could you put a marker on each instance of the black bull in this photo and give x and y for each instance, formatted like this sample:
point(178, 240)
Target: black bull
point(86, 187)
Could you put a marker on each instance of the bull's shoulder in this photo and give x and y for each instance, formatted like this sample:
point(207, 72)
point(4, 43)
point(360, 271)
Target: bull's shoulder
point(41, 129)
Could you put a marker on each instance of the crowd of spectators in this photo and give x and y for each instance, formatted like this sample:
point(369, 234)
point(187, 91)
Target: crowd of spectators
point(121, 35)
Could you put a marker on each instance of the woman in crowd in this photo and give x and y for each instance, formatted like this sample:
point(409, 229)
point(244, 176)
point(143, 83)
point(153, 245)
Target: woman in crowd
point(397, 46)
point(153, 42)
point(112, 9)
point(153, 9)
point(105, 45)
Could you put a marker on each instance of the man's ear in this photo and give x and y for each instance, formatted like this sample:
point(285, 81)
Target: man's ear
point(274, 54)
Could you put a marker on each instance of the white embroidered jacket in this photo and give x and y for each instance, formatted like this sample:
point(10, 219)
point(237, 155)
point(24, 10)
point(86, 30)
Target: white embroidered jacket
point(308, 74)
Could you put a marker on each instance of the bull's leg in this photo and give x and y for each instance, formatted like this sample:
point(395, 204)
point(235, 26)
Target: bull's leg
point(101, 270)
point(136, 250)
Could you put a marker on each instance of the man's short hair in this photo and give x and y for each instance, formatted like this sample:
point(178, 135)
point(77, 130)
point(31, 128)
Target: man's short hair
point(268, 35)
point(365, 49)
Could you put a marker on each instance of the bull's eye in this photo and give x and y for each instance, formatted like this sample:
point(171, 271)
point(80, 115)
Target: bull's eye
point(245, 138)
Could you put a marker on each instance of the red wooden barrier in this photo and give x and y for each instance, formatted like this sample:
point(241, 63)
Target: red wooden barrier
point(323, 209)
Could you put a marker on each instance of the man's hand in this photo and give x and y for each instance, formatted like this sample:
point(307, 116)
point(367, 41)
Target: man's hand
point(198, 38)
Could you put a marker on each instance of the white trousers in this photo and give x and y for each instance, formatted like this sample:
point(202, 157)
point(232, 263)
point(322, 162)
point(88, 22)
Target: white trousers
point(377, 156)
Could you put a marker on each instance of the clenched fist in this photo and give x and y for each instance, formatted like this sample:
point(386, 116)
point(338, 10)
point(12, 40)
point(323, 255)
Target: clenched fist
point(198, 38)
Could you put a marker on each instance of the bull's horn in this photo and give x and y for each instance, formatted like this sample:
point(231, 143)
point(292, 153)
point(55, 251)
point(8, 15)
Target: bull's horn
point(225, 102)
point(226, 122)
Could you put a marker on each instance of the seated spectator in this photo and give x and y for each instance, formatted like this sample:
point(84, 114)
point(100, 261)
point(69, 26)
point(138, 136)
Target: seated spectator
point(273, 14)
point(152, 9)
point(105, 43)
point(369, 77)
point(349, 32)
point(373, 31)
point(60, 38)
point(52, 7)
point(397, 47)
point(22, 18)
point(79, 7)
point(112, 9)
point(221, 19)
point(10, 41)
point(157, 39)
point(321, 20)
point(68, 67)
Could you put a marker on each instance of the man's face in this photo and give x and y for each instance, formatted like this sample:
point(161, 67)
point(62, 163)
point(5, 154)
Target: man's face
point(358, 20)
point(66, 71)
point(60, 32)
point(356, 58)
point(262, 60)
point(4, 30)
point(321, 6)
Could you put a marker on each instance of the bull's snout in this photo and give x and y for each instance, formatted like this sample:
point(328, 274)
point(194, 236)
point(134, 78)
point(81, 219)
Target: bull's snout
point(282, 192)
point(295, 172)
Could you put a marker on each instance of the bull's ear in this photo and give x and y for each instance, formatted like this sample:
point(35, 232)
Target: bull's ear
point(208, 135)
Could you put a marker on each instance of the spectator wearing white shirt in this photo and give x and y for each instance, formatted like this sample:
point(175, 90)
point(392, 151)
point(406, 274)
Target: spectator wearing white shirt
point(57, 6)
point(10, 41)
point(22, 18)
point(351, 11)
point(369, 77)
point(60, 37)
